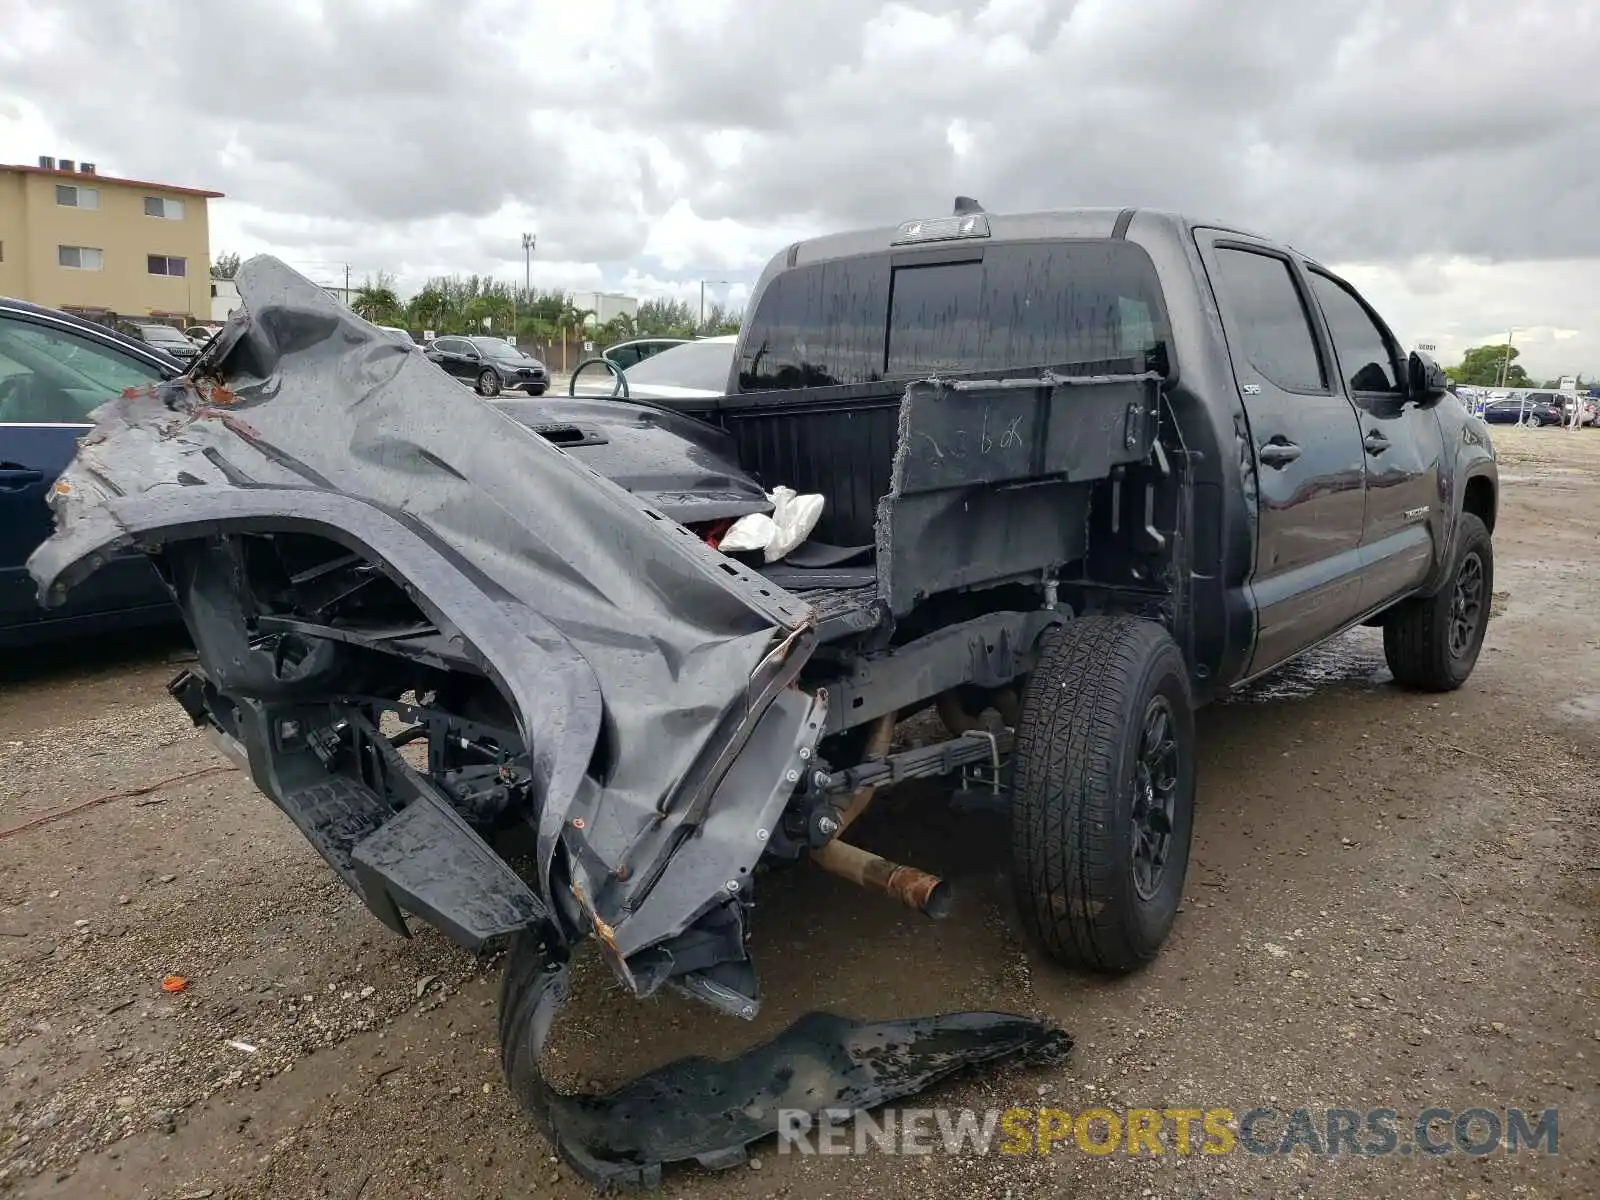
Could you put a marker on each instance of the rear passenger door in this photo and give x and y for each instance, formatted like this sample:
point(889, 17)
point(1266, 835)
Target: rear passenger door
point(1401, 438)
point(452, 355)
point(51, 378)
point(1309, 461)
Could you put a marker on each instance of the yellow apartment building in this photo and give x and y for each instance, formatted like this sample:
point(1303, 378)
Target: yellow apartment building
point(104, 247)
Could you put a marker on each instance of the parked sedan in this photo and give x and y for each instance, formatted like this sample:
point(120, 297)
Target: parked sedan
point(631, 353)
point(1535, 412)
point(54, 370)
point(166, 338)
point(490, 364)
point(403, 336)
point(688, 371)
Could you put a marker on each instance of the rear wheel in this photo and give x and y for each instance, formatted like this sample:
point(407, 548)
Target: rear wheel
point(488, 384)
point(1103, 792)
point(1533, 421)
point(1432, 642)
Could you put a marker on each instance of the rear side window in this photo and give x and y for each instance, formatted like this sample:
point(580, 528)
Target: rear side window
point(1269, 320)
point(1364, 354)
point(1094, 304)
point(818, 325)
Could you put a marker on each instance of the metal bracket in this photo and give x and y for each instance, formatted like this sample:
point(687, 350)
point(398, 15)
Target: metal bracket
point(982, 788)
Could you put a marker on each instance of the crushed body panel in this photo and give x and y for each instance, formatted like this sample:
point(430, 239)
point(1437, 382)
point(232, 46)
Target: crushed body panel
point(631, 656)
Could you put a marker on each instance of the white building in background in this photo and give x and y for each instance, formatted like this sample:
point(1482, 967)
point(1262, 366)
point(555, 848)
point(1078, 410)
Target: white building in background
point(224, 299)
point(606, 306)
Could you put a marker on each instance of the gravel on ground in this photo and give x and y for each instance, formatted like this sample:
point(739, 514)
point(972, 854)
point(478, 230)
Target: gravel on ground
point(1394, 901)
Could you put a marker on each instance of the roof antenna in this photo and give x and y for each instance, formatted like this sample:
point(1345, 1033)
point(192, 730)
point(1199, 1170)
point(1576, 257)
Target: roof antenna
point(966, 204)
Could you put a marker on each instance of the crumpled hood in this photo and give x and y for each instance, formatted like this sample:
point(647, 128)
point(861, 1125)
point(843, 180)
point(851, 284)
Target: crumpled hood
point(298, 395)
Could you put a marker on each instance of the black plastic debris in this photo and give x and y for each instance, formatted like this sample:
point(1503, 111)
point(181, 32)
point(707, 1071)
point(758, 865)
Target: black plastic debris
point(708, 1112)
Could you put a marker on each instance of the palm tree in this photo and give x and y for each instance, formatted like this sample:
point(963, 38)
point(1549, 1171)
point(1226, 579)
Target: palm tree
point(571, 318)
point(620, 328)
point(497, 308)
point(428, 309)
point(377, 304)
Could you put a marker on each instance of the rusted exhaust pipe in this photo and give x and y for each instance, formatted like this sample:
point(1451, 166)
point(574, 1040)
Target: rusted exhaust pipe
point(927, 894)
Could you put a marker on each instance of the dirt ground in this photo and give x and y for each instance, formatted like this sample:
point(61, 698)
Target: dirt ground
point(1394, 902)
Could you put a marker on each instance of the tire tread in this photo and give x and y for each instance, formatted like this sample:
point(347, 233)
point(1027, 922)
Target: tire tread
point(1416, 632)
point(1069, 749)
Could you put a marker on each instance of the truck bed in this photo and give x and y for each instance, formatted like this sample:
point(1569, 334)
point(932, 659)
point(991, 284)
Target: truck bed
point(940, 484)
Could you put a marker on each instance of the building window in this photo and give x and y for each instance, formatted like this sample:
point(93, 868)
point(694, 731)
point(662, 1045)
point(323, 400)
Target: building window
point(80, 258)
point(69, 196)
point(157, 206)
point(161, 264)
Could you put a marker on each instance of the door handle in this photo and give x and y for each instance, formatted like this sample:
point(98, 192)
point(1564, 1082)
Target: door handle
point(1278, 454)
point(14, 477)
point(1376, 443)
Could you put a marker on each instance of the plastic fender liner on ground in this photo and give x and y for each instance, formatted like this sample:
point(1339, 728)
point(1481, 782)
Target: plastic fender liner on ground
point(706, 1111)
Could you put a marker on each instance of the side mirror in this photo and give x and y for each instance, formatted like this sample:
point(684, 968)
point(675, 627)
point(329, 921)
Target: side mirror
point(1425, 379)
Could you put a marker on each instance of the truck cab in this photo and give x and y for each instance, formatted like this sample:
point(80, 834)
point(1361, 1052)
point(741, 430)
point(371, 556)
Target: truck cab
point(1324, 475)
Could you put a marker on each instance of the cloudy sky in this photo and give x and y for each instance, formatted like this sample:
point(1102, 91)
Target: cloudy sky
point(1445, 156)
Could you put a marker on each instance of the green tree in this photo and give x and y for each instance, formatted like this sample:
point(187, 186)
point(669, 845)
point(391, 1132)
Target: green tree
point(619, 329)
point(1481, 367)
point(719, 320)
point(226, 266)
point(665, 318)
point(429, 309)
point(376, 301)
point(492, 306)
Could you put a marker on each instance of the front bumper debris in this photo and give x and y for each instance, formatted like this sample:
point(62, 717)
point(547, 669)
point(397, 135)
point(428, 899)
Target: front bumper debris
point(708, 1111)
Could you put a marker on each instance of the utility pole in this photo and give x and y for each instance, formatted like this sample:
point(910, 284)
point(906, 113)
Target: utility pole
point(347, 283)
point(714, 283)
point(1505, 362)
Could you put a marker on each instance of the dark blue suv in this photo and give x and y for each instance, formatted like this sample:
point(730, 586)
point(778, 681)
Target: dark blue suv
point(54, 370)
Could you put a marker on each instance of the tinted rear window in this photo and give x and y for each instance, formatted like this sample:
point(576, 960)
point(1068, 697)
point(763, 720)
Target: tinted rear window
point(1061, 304)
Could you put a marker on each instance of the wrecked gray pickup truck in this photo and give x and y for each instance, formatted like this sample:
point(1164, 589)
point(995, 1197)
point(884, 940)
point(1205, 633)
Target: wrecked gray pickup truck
point(489, 661)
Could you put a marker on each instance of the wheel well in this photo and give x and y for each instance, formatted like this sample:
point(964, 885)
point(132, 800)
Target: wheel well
point(1480, 501)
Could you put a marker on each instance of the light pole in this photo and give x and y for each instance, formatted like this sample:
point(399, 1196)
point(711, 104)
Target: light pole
point(1505, 378)
point(1505, 362)
point(713, 283)
point(527, 261)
